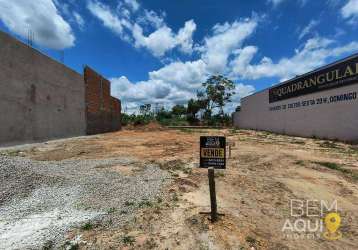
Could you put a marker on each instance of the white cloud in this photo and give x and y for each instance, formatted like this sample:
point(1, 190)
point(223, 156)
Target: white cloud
point(175, 83)
point(188, 75)
point(42, 17)
point(184, 37)
point(69, 11)
point(133, 4)
point(141, 91)
point(276, 3)
point(178, 81)
point(163, 39)
point(315, 53)
point(79, 20)
point(133, 95)
point(109, 18)
point(151, 18)
point(350, 10)
point(241, 90)
point(242, 60)
point(225, 39)
point(308, 29)
point(158, 42)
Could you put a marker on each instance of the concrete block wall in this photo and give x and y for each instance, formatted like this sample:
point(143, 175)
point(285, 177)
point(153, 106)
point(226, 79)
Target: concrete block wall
point(102, 110)
point(40, 98)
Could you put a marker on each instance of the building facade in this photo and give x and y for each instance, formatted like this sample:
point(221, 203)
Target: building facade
point(322, 103)
point(41, 98)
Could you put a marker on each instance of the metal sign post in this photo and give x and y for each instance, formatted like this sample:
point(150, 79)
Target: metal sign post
point(213, 155)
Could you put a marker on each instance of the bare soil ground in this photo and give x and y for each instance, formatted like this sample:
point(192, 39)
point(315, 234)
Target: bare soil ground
point(264, 173)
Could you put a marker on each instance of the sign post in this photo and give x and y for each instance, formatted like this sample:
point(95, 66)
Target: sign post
point(214, 209)
point(212, 155)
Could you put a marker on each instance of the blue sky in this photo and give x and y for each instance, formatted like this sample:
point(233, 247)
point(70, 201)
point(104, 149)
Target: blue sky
point(160, 51)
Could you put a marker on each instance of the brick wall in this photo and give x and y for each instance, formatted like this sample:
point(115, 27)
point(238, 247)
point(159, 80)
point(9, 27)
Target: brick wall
point(102, 110)
point(115, 113)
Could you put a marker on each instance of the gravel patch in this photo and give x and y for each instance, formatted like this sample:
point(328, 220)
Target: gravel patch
point(18, 178)
point(43, 217)
point(40, 201)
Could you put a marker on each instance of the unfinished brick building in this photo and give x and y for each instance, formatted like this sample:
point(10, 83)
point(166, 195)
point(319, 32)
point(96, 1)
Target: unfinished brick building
point(102, 109)
point(41, 98)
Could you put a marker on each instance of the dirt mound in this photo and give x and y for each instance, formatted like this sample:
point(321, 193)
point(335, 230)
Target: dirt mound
point(153, 125)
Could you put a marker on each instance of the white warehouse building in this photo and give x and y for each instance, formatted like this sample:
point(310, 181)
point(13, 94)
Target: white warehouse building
point(322, 103)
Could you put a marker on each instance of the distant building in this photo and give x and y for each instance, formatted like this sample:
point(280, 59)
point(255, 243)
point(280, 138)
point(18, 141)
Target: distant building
point(322, 103)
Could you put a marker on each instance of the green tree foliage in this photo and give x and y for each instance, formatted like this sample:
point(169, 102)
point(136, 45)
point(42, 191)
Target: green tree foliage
point(207, 108)
point(163, 114)
point(145, 109)
point(179, 110)
point(135, 119)
point(171, 118)
point(218, 92)
point(193, 108)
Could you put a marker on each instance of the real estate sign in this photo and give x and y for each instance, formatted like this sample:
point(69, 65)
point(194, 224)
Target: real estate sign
point(213, 152)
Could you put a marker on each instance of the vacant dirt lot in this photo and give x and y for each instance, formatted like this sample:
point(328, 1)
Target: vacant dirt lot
point(142, 189)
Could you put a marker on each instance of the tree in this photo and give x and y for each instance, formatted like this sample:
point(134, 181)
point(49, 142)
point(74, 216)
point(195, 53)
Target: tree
point(218, 92)
point(178, 110)
point(192, 109)
point(145, 109)
point(238, 109)
point(163, 114)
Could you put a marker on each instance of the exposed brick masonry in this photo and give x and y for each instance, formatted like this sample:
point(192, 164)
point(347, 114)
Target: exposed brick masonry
point(102, 110)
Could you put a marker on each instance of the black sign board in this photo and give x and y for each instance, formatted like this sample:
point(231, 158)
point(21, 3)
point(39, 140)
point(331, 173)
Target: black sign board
point(335, 76)
point(213, 152)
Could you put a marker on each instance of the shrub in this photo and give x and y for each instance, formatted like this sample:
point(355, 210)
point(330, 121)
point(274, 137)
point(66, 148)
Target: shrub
point(87, 226)
point(128, 240)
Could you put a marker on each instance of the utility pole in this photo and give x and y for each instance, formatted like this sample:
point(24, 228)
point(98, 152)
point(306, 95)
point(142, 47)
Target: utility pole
point(30, 37)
